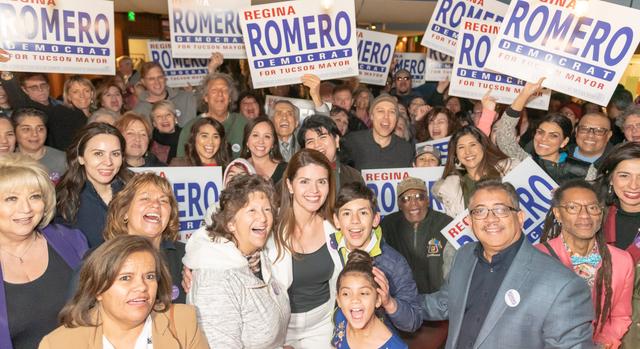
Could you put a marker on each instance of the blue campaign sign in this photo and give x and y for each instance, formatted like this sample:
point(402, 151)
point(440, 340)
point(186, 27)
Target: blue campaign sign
point(58, 36)
point(286, 40)
point(415, 63)
point(446, 21)
point(470, 79)
point(195, 189)
point(383, 182)
point(179, 71)
point(375, 52)
point(200, 27)
point(581, 47)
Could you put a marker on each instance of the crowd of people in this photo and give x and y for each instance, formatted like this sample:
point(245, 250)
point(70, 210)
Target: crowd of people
point(296, 254)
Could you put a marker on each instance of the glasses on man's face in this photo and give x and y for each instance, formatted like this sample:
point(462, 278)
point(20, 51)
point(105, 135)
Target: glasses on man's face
point(598, 131)
point(574, 208)
point(402, 78)
point(500, 211)
point(631, 127)
point(40, 87)
point(411, 197)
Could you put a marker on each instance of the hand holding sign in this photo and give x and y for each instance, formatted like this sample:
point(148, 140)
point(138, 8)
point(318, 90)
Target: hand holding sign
point(488, 102)
point(313, 83)
point(215, 62)
point(528, 90)
point(4, 56)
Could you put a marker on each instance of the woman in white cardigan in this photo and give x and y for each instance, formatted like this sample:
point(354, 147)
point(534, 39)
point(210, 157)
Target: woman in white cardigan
point(240, 303)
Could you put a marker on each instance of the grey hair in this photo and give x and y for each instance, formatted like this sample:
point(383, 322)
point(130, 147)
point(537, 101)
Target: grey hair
point(296, 110)
point(233, 91)
point(632, 109)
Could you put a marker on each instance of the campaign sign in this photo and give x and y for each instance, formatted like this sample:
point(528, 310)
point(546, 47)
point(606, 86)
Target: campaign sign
point(57, 36)
point(415, 63)
point(285, 40)
point(375, 52)
point(438, 66)
point(471, 80)
point(581, 47)
point(535, 191)
point(441, 144)
point(442, 32)
point(201, 27)
point(180, 72)
point(195, 189)
point(383, 182)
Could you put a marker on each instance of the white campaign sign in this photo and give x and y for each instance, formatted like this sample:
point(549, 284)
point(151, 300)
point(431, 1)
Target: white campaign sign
point(441, 144)
point(195, 189)
point(180, 72)
point(438, 66)
point(201, 27)
point(375, 52)
point(442, 32)
point(471, 80)
point(384, 183)
point(285, 40)
point(581, 47)
point(415, 63)
point(535, 190)
point(72, 36)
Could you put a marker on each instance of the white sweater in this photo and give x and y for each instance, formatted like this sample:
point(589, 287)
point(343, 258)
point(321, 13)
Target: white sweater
point(235, 308)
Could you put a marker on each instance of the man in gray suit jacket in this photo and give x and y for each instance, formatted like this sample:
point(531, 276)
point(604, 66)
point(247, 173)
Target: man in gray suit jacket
point(502, 292)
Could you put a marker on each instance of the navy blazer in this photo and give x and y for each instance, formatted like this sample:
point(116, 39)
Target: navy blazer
point(540, 304)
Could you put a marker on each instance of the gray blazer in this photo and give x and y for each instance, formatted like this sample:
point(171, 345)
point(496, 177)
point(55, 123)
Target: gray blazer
point(554, 308)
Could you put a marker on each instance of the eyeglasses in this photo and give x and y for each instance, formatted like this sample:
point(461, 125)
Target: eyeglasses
point(403, 78)
point(598, 131)
point(575, 208)
point(500, 211)
point(631, 127)
point(418, 196)
point(39, 87)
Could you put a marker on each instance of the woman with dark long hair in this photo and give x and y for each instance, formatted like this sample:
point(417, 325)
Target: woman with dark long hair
point(550, 138)
point(472, 157)
point(260, 147)
point(573, 235)
point(95, 173)
point(619, 182)
point(207, 145)
point(439, 123)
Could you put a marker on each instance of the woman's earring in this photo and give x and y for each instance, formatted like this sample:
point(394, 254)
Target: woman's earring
point(126, 219)
point(610, 189)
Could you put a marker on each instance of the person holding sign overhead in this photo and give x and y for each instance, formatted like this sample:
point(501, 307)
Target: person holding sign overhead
point(573, 235)
point(551, 136)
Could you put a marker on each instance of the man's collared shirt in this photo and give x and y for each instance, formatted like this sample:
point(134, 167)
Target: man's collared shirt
point(485, 282)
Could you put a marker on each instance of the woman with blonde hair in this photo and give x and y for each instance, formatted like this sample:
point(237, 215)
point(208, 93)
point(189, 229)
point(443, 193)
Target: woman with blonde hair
point(124, 301)
point(36, 258)
point(66, 120)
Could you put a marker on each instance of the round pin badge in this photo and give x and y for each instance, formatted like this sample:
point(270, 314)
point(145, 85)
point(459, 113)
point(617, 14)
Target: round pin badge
point(175, 292)
point(178, 112)
point(512, 298)
point(235, 148)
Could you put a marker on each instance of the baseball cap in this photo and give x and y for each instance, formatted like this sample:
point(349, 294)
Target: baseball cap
point(410, 183)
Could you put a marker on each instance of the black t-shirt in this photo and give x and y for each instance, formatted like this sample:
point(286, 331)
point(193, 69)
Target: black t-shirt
point(33, 307)
point(627, 226)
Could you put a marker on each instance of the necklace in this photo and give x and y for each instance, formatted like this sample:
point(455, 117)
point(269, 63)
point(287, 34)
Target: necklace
point(23, 253)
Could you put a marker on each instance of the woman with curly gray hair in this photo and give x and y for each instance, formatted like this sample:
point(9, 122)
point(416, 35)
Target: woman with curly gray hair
point(240, 304)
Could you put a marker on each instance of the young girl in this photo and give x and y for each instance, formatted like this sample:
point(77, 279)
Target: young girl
point(357, 325)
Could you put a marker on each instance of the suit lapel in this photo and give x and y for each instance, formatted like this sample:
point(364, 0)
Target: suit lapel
point(516, 276)
point(460, 304)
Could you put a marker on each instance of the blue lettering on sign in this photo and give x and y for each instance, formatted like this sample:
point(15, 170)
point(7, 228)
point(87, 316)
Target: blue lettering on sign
point(472, 52)
point(452, 12)
point(556, 59)
point(373, 56)
point(46, 24)
point(188, 65)
point(302, 58)
point(196, 198)
point(415, 67)
point(206, 39)
point(535, 233)
point(488, 76)
point(279, 36)
point(464, 239)
point(197, 21)
point(386, 197)
point(543, 27)
point(533, 202)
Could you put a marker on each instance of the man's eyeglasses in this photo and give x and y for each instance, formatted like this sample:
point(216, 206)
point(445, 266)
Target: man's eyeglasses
point(631, 127)
point(500, 211)
point(573, 208)
point(403, 78)
point(40, 87)
point(410, 197)
point(598, 131)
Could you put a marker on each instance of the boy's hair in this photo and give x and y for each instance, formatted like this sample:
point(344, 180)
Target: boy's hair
point(354, 191)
